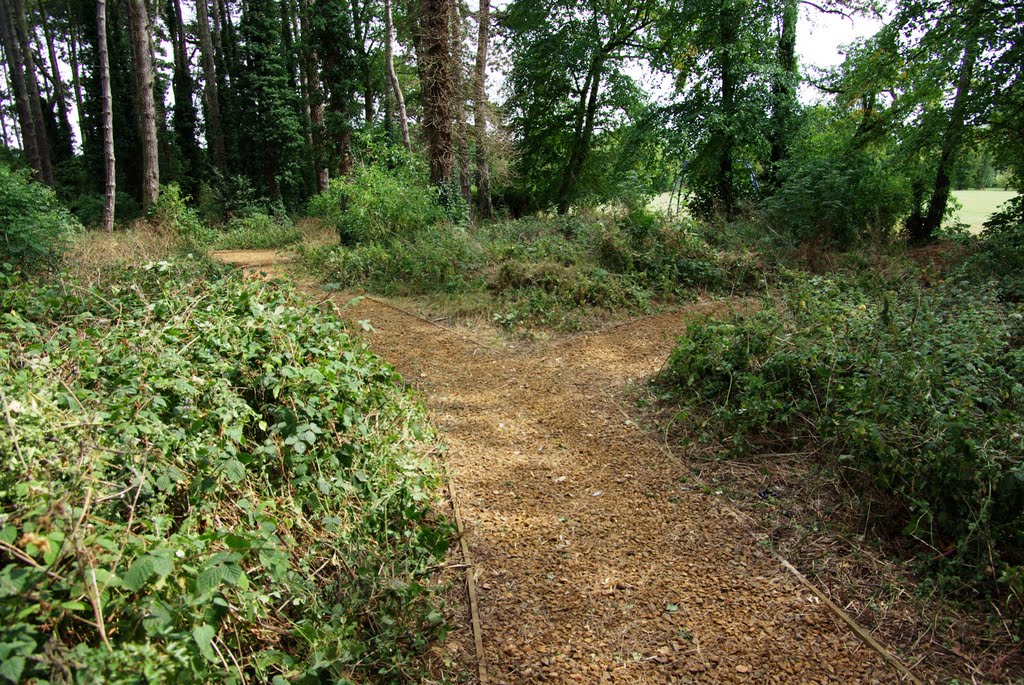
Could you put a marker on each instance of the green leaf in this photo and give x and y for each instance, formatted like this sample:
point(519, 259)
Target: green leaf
point(138, 574)
point(203, 635)
point(12, 667)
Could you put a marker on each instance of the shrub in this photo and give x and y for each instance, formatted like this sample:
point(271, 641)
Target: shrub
point(918, 390)
point(172, 212)
point(1000, 256)
point(206, 478)
point(256, 230)
point(33, 225)
point(378, 203)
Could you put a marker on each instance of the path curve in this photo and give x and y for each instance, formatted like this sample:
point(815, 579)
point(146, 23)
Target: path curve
point(594, 561)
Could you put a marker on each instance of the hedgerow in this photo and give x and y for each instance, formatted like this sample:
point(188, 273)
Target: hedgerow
point(205, 480)
point(916, 394)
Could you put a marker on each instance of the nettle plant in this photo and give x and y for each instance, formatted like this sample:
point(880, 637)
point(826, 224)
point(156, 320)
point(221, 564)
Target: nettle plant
point(206, 480)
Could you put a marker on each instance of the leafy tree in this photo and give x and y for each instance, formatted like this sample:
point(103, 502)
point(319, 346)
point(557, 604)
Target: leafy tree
point(568, 81)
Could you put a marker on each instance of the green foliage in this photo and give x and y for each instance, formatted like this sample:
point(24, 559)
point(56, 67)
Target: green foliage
point(213, 477)
point(34, 227)
point(1000, 257)
point(917, 392)
point(256, 231)
point(838, 189)
point(172, 211)
point(379, 203)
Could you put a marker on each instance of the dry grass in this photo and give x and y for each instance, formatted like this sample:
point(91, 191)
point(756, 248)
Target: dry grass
point(315, 233)
point(95, 253)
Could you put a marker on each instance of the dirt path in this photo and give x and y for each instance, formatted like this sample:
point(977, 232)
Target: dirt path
point(594, 561)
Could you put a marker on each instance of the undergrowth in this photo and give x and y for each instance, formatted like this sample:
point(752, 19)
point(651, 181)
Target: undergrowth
point(913, 392)
point(205, 479)
point(543, 272)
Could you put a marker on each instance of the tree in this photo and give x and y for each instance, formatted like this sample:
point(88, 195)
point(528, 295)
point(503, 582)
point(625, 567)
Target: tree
point(12, 49)
point(211, 98)
point(483, 174)
point(110, 187)
point(396, 86)
point(567, 73)
point(140, 33)
point(437, 87)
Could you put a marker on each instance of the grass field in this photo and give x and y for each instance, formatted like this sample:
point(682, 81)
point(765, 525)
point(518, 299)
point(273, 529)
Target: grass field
point(978, 205)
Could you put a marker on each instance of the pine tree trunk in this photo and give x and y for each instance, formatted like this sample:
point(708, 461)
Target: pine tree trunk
point(951, 141)
point(214, 130)
point(75, 80)
point(437, 89)
point(108, 115)
point(35, 100)
point(396, 87)
point(139, 31)
point(59, 91)
point(12, 49)
point(483, 172)
point(460, 104)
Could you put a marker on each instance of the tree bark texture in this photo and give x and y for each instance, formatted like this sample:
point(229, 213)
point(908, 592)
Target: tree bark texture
point(483, 173)
point(142, 59)
point(438, 91)
point(108, 116)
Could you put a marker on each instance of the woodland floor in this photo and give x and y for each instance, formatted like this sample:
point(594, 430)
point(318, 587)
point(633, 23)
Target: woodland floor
point(594, 561)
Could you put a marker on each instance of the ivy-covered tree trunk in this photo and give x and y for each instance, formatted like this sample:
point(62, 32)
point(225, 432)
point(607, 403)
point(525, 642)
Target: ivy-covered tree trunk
point(438, 90)
point(316, 103)
point(951, 142)
point(142, 61)
point(483, 173)
point(110, 187)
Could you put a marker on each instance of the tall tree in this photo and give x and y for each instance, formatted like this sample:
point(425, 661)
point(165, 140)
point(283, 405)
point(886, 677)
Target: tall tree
point(185, 116)
point(567, 74)
point(110, 186)
point(483, 174)
point(211, 98)
point(35, 99)
point(437, 88)
point(63, 140)
point(29, 132)
point(458, 83)
point(396, 86)
point(140, 33)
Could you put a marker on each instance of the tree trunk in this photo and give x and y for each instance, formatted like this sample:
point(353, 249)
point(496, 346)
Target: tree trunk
point(316, 111)
point(29, 140)
point(59, 92)
point(108, 115)
point(951, 140)
point(142, 54)
point(75, 79)
point(214, 130)
point(784, 102)
point(729, 19)
point(396, 87)
point(438, 92)
point(460, 104)
point(584, 131)
point(35, 100)
point(483, 173)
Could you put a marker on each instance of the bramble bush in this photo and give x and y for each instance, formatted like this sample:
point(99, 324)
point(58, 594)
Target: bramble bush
point(918, 393)
point(256, 230)
point(206, 480)
point(34, 227)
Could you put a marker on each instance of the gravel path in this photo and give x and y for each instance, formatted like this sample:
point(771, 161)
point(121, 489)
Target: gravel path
point(595, 563)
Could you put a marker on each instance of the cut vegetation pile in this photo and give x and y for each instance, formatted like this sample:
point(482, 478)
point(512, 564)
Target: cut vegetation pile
point(206, 480)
